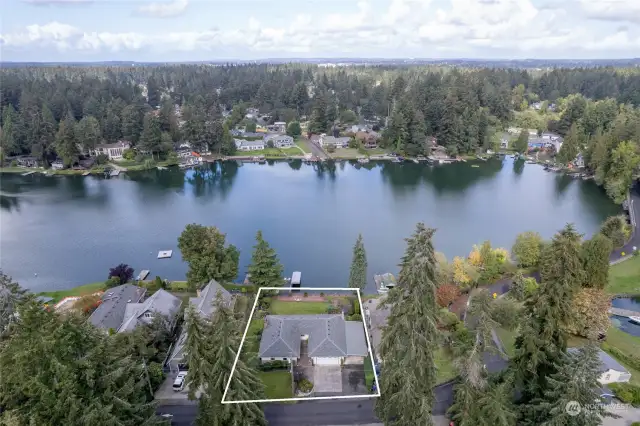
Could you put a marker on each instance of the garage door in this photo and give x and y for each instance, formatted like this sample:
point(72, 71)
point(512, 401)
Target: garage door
point(326, 361)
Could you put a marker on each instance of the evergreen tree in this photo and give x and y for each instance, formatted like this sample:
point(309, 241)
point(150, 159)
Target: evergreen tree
point(576, 380)
point(265, 268)
point(595, 260)
point(224, 336)
point(8, 142)
point(88, 132)
point(624, 160)
point(410, 338)
point(521, 144)
point(65, 142)
point(358, 273)
point(131, 121)
point(293, 129)
point(318, 123)
point(60, 370)
point(570, 146)
point(197, 348)
point(151, 138)
point(542, 338)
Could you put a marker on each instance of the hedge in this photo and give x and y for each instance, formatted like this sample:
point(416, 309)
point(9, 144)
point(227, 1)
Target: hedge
point(274, 365)
point(626, 392)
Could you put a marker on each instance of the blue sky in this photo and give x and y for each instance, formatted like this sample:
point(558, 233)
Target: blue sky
point(180, 30)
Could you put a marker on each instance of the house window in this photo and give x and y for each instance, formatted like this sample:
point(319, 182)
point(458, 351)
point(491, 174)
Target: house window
point(607, 376)
point(273, 359)
point(148, 315)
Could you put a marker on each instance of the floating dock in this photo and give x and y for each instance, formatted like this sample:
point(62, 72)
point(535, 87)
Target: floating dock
point(296, 279)
point(165, 254)
point(114, 173)
point(143, 274)
point(28, 173)
point(86, 173)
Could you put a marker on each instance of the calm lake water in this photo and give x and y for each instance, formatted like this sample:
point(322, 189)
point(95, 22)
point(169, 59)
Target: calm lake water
point(70, 230)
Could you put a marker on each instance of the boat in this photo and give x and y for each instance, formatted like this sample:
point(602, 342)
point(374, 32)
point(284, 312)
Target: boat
point(635, 320)
point(421, 158)
point(363, 160)
point(396, 160)
point(415, 160)
point(475, 165)
point(384, 282)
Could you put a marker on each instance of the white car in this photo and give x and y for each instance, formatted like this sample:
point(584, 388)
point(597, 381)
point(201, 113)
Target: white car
point(178, 383)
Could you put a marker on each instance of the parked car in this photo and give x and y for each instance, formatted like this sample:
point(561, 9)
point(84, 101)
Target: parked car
point(178, 383)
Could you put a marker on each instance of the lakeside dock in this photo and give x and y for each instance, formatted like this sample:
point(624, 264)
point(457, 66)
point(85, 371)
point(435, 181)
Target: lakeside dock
point(623, 312)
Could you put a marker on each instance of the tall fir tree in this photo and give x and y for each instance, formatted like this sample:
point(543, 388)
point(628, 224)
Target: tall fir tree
point(521, 144)
point(542, 339)
point(65, 142)
point(571, 145)
point(244, 385)
point(410, 338)
point(358, 273)
point(576, 381)
point(595, 258)
point(265, 268)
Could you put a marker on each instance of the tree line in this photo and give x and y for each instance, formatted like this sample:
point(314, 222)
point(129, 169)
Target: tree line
point(52, 112)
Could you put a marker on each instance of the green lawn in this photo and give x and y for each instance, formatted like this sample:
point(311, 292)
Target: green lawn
point(76, 291)
point(279, 307)
point(17, 170)
point(277, 384)
point(302, 144)
point(629, 345)
point(369, 375)
point(444, 364)
point(252, 343)
point(625, 277)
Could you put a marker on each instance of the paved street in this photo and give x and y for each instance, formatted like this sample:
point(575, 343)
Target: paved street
point(315, 149)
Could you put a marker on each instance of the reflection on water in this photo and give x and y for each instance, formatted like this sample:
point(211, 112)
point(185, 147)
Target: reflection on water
point(625, 325)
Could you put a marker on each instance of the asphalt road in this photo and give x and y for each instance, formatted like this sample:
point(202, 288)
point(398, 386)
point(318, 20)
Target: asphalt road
point(316, 150)
point(314, 413)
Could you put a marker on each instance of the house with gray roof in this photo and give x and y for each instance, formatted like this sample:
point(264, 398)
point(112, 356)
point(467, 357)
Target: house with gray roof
point(323, 339)
point(159, 303)
point(279, 141)
point(245, 145)
point(203, 305)
point(611, 371)
point(113, 306)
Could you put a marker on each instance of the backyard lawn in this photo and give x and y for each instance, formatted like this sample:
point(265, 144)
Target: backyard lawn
point(252, 343)
point(279, 307)
point(303, 145)
point(625, 277)
point(369, 377)
point(444, 364)
point(82, 290)
point(277, 384)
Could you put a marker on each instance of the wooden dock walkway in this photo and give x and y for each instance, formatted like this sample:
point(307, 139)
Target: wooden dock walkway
point(143, 274)
point(624, 312)
point(114, 173)
point(28, 173)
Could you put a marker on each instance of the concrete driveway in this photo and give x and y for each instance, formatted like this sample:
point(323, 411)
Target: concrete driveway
point(327, 379)
point(353, 382)
point(166, 395)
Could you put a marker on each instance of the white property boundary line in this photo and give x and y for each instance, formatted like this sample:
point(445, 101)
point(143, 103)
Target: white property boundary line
point(244, 336)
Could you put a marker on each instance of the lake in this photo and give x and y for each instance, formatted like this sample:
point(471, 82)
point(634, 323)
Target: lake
point(70, 230)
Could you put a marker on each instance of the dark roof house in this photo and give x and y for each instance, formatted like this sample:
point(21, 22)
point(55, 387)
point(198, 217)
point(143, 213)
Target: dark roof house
point(111, 312)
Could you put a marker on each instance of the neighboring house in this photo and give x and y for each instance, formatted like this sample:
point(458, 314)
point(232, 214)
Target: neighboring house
point(159, 303)
point(536, 142)
point(203, 305)
point(113, 306)
point(278, 127)
point(245, 145)
point(504, 143)
point(112, 150)
point(251, 113)
point(611, 371)
point(369, 139)
point(27, 162)
point(57, 165)
point(279, 141)
point(324, 339)
point(340, 142)
point(579, 161)
point(376, 316)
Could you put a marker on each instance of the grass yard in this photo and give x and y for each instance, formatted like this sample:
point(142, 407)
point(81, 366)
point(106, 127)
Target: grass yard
point(279, 307)
point(17, 170)
point(277, 384)
point(369, 375)
point(82, 290)
point(303, 144)
point(627, 344)
point(252, 343)
point(350, 153)
point(508, 338)
point(624, 277)
point(444, 364)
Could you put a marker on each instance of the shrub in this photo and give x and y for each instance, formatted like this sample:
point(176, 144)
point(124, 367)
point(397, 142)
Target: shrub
point(626, 392)
point(156, 375)
point(274, 365)
point(306, 294)
point(331, 148)
point(333, 309)
point(305, 385)
point(321, 294)
point(14, 163)
point(123, 271)
point(631, 360)
point(446, 294)
point(112, 282)
point(101, 159)
point(355, 317)
point(128, 154)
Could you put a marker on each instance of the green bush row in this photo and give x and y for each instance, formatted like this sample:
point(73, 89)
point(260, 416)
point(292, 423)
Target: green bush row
point(627, 393)
point(274, 365)
point(631, 360)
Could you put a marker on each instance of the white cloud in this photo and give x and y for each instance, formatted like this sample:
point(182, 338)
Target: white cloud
point(164, 9)
point(56, 2)
point(415, 26)
point(614, 10)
